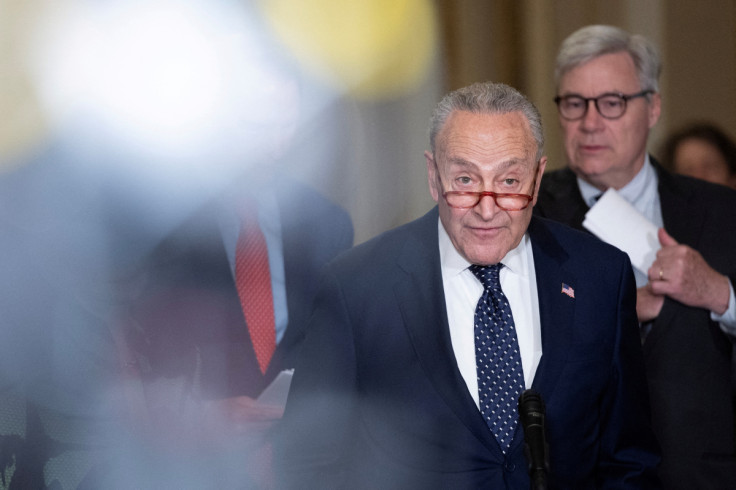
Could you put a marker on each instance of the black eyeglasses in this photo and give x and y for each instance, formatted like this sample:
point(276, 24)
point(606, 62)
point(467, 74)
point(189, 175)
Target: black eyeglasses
point(610, 105)
point(507, 202)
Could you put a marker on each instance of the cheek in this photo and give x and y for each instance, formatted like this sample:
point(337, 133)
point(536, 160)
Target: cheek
point(451, 218)
point(637, 131)
point(457, 217)
point(567, 129)
point(569, 134)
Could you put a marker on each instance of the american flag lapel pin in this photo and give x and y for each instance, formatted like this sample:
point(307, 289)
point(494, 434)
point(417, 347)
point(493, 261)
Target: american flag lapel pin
point(568, 290)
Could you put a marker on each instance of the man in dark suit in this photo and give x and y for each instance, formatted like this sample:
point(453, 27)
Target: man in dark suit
point(199, 361)
point(411, 330)
point(191, 308)
point(219, 307)
point(685, 301)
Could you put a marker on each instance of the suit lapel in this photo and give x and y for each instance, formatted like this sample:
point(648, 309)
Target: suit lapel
point(421, 299)
point(683, 218)
point(556, 309)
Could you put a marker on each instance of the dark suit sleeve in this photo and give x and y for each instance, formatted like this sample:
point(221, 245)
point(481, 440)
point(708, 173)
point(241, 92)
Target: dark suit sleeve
point(629, 451)
point(313, 440)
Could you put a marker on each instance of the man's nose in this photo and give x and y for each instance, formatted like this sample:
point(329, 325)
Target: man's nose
point(487, 207)
point(592, 119)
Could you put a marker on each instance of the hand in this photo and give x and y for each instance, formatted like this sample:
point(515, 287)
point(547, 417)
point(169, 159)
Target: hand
point(681, 273)
point(240, 425)
point(240, 414)
point(648, 304)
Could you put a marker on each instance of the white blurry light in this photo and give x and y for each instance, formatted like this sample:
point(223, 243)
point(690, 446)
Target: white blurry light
point(160, 74)
point(182, 79)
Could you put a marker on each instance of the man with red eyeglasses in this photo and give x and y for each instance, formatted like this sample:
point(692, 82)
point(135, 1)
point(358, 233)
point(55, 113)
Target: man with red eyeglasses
point(423, 339)
point(608, 101)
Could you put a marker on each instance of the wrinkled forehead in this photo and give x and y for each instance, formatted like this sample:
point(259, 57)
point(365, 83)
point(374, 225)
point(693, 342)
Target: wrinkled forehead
point(472, 138)
point(459, 164)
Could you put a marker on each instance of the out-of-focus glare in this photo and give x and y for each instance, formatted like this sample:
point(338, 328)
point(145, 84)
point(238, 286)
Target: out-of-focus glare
point(22, 122)
point(184, 80)
point(371, 49)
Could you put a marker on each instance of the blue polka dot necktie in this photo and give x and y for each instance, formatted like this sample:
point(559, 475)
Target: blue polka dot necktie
point(497, 357)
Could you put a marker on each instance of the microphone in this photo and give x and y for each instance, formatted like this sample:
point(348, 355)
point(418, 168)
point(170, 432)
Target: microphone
point(531, 413)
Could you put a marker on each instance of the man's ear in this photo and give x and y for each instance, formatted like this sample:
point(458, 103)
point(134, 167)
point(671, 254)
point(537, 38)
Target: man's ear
point(540, 174)
point(432, 176)
point(655, 109)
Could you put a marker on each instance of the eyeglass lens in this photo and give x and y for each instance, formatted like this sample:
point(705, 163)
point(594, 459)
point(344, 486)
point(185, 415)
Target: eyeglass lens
point(471, 199)
point(575, 107)
point(610, 106)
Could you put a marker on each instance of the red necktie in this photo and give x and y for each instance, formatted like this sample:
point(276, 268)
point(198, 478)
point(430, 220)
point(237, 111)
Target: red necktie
point(253, 279)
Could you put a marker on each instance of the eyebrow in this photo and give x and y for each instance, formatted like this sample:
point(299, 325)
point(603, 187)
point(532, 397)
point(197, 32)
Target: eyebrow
point(461, 162)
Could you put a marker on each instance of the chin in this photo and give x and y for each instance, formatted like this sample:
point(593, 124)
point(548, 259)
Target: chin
point(592, 165)
point(484, 258)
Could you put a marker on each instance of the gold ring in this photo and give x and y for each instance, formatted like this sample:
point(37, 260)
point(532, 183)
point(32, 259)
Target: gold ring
point(661, 273)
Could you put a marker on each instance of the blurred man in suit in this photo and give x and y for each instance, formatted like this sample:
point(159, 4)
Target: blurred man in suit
point(423, 338)
point(223, 300)
point(608, 101)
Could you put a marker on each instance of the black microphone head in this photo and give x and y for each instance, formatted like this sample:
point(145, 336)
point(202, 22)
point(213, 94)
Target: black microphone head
point(530, 401)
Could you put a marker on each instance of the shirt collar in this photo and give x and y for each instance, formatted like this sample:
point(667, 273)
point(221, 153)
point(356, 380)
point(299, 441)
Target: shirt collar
point(632, 192)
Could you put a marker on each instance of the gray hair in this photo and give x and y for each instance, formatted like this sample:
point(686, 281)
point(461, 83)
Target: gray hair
point(487, 98)
point(593, 41)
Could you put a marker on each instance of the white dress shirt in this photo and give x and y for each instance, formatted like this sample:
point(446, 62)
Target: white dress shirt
point(462, 292)
point(642, 192)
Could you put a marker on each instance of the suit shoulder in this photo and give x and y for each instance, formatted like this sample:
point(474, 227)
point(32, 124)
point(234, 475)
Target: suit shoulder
point(419, 235)
point(705, 191)
point(575, 242)
point(306, 212)
point(295, 196)
point(556, 180)
point(559, 175)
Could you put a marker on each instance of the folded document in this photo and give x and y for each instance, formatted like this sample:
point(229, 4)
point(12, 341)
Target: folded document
point(615, 221)
point(276, 393)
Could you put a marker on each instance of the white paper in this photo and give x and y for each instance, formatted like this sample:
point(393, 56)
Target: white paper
point(275, 394)
point(615, 221)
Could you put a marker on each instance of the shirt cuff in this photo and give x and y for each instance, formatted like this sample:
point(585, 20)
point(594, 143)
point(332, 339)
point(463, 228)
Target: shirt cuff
point(727, 321)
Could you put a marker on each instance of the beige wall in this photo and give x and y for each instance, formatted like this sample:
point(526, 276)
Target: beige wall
point(697, 41)
point(380, 176)
point(700, 62)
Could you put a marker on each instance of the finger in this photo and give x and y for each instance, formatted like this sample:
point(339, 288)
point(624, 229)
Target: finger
point(655, 273)
point(665, 239)
point(652, 274)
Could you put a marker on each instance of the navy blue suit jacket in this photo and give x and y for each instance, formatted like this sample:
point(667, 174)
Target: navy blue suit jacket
point(378, 401)
point(687, 356)
point(189, 313)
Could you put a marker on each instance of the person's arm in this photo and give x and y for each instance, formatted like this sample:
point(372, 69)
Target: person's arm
point(629, 451)
point(313, 441)
point(727, 320)
point(682, 273)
